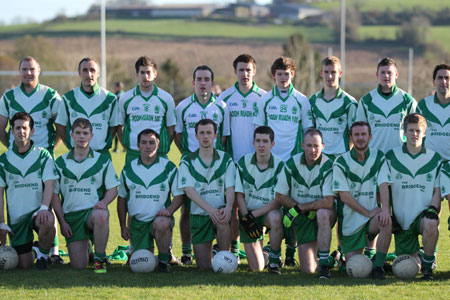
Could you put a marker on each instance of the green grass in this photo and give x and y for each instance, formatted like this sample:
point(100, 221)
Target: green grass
point(382, 5)
point(61, 282)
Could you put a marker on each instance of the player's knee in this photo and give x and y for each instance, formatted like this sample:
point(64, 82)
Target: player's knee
point(430, 226)
point(162, 223)
point(101, 218)
point(275, 219)
point(323, 217)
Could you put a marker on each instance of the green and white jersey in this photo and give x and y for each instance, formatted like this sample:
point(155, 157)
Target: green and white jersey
point(414, 178)
point(242, 108)
point(258, 186)
point(210, 182)
point(361, 180)
point(41, 104)
point(190, 111)
point(334, 118)
point(288, 116)
point(438, 125)
point(306, 184)
point(445, 180)
point(23, 177)
point(83, 184)
point(100, 108)
point(148, 188)
point(385, 116)
point(138, 112)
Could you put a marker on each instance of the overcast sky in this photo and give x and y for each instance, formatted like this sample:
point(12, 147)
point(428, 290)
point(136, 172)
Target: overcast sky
point(20, 11)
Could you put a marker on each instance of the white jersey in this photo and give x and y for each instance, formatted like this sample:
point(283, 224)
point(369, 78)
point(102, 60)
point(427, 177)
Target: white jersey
point(100, 108)
point(385, 116)
point(147, 189)
point(242, 110)
point(288, 116)
point(23, 177)
point(414, 178)
point(333, 118)
point(306, 184)
point(83, 184)
point(210, 182)
point(190, 111)
point(445, 180)
point(361, 180)
point(42, 104)
point(258, 186)
point(438, 125)
point(138, 112)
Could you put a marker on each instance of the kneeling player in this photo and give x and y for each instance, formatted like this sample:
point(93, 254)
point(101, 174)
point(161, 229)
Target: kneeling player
point(145, 187)
point(206, 175)
point(305, 188)
point(87, 183)
point(256, 176)
point(416, 196)
point(28, 175)
point(357, 174)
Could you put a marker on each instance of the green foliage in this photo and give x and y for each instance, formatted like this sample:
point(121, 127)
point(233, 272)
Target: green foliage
point(414, 33)
point(383, 5)
point(171, 80)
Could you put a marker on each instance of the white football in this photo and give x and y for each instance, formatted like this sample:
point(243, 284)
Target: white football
point(359, 266)
point(224, 262)
point(142, 261)
point(405, 267)
point(8, 258)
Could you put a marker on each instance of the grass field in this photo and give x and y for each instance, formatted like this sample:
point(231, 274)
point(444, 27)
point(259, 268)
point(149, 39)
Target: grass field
point(60, 282)
point(382, 5)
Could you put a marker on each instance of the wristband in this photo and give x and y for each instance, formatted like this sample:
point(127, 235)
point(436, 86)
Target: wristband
point(3, 226)
point(43, 207)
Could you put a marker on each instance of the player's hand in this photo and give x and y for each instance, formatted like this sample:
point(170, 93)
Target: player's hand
point(431, 213)
point(66, 230)
point(374, 212)
point(215, 215)
point(125, 232)
point(164, 212)
point(100, 205)
point(43, 216)
point(226, 215)
point(250, 226)
point(384, 218)
point(291, 215)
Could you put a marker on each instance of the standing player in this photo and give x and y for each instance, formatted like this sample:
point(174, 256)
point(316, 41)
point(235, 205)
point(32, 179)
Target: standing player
point(357, 176)
point(241, 100)
point(200, 105)
point(416, 196)
point(305, 187)
point(145, 187)
point(333, 110)
point(206, 175)
point(256, 176)
point(385, 107)
point(27, 173)
point(87, 184)
point(91, 102)
point(118, 91)
point(146, 106)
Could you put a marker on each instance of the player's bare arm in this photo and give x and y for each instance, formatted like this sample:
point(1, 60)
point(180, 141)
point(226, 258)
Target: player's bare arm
point(353, 204)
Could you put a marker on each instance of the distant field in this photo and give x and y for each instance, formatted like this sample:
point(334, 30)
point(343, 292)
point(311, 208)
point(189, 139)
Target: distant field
point(382, 5)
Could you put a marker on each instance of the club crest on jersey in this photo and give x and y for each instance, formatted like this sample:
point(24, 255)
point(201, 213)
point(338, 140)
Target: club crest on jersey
point(162, 187)
point(398, 176)
point(244, 103)
point(220, 182)
point(39, 174)
point(146, 107)
point(429, 177)
point(215, 117)
point(246, 186)
point(203, 114)
point(371, 117)
point(255, 109)
point(73, 114)
point(340, 121)
point(183, 180)
point(197, 185)
point(443, 190)
point(132, 186)
point(11, 177)
point(66, 180)
point(103, 116)
point(157, 109)
point(294, 110)
point(44, 114)
point(336, 184)
point(92, 180)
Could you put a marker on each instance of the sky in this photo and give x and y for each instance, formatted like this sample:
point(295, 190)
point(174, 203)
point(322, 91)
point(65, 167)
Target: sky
point(21, 11)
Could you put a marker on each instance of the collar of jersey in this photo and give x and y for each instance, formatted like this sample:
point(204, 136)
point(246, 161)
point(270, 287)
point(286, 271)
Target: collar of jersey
point(211, 100)
point(394, 90)
point(277, 93)
point(338, 94)
point(405, 150)
point(253, 89)
point(70, 155)
point(95, 88)
point(303, 161)
point(354, 155)
point(32, 92)
point(139, 162)
point(16, 151)
point(154, 92)
point(436, 100)
point(196, 154)
point(270, 165)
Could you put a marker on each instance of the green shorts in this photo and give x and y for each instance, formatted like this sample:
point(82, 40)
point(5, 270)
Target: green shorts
point(141, 234)
point(244, 238)
point(357, 240)
point(305, 229)
point(78, 223)
point(23, 231)
point(202, 229)
point(407, 241)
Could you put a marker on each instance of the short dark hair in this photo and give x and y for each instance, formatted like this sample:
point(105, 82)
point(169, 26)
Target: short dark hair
point(360, 123)
point(145, 61)
point(244, 58)
point(29, 58)
point(264, 130)
point(118, 84)
point(387, 61)
point(146, 132)
point(206, 122)
point(414, 118)
point(440, 67)
point(22, 116)
point(203, 68)
point(312, 132)
point(331, 61)
point(282, 63)
point(86, 59)
point(82, 123)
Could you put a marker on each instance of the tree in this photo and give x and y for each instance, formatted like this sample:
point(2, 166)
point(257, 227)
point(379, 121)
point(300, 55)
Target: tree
point(171, 80)
point(414, 32)
point(352, 23)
